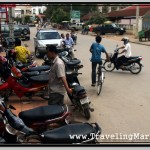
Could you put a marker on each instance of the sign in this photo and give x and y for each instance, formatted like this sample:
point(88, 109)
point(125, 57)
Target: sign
point(75, 14)
point(8, 5)
point(2, 9)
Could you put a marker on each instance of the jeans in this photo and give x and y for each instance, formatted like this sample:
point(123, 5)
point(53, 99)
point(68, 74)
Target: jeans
point(94, 65)
point(121, 60)
point(56, 98)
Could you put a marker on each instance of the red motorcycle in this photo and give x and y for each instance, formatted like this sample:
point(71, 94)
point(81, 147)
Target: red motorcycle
point(21, 85)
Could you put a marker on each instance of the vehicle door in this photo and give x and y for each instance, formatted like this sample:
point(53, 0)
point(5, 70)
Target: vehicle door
point(17, 31)
point(5, 31)
point(109, 28)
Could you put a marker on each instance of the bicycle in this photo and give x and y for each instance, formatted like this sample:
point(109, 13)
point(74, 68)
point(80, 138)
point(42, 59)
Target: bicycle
point(100, 78)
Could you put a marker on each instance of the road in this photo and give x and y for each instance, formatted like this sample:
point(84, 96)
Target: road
point(123, 105)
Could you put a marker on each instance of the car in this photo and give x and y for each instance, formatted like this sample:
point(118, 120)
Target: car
point(5, 31)
point(46, 37)
point(109, 28)
point(25, 32)
point(76, 26)
point(20, 31)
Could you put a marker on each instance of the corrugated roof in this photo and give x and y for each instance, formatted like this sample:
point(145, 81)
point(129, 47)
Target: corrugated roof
point(129, 11)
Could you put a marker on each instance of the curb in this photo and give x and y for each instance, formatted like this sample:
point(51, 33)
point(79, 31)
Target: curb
point(140, 43)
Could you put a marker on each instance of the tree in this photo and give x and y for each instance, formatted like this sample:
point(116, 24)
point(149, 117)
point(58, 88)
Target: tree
point(53, 10)
point(97, 18)
point(27, 19)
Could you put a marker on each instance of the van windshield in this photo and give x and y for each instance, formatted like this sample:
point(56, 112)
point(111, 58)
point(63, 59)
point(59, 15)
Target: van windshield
point(48, 35)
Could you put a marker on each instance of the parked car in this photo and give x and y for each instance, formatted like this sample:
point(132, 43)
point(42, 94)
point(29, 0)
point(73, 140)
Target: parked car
point(25, 32)
point(20, 31)
point(5, 31)
point(109, 28)
point(76, 26)
point(46, 37)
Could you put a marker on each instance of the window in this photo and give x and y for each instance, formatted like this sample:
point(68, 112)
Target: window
point(48, 35)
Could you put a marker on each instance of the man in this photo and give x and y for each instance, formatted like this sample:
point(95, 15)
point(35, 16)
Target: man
point(96, 49)
point(57, 81)
point(127, 53)
point(69, 42)
point(22, 54)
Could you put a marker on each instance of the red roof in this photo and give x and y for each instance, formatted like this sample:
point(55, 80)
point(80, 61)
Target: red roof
point(129, 11)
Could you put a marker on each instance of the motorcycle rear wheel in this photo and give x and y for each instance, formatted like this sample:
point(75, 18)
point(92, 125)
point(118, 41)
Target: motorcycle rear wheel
point(86, 111)
point(109, 66)
point(135, 68)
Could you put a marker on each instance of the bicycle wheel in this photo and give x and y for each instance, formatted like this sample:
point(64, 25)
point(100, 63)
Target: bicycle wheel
point(99, 85)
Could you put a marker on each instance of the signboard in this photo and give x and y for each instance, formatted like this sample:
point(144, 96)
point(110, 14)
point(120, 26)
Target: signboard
point(75, 14)
point(8, 5)
point(2, 9)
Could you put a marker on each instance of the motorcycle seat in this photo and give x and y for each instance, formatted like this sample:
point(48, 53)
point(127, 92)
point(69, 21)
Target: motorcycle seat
point(79, 90)
point(65, 134)
point(40, 68)
point(42, 78)
point(42, 113)
point(133, 57)
point(32, 73)
point(73, 62)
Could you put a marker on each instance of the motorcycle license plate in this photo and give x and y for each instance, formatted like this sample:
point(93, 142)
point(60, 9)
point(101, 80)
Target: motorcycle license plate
point(84, 100)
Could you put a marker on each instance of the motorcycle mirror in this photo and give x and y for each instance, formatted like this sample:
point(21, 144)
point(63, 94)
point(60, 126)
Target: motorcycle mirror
point(12, 107)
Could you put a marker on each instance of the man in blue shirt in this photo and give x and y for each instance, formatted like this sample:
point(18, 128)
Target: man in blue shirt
point(96, 50)
point(69, 44)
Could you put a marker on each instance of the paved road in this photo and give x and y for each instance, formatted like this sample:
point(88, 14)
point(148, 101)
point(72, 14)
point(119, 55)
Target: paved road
point(123, 106)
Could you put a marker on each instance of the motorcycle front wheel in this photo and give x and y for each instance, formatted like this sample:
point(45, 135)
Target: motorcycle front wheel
point(135, 68)
point(109, 66)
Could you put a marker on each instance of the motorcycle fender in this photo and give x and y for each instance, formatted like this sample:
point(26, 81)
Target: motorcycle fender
point(4, 86)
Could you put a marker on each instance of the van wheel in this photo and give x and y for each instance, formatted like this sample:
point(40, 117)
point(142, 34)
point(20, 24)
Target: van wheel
point(117, 32)
point(37, 53)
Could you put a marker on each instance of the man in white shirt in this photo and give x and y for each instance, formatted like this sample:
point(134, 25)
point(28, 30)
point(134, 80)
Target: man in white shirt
point(127, 50)
point(57, 81)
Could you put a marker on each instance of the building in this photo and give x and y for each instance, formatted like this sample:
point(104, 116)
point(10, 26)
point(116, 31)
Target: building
point(38, 9)
point(127, 16)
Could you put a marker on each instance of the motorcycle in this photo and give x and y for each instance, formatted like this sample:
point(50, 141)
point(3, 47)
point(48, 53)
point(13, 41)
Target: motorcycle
point(40, 119)
point(79, 96)
point(133, 63)
point(20, 84)
point(78, 133)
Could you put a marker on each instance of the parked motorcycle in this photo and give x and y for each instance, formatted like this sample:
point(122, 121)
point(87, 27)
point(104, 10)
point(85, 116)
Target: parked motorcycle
point(79, 96)
point(40, 119)
point(133, 64)
point(78, 133)
point(20, 84)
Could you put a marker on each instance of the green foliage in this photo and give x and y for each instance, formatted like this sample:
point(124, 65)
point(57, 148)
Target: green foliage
point(58, 13)
point(17, 19)
point(27, 19)
point(97, 18)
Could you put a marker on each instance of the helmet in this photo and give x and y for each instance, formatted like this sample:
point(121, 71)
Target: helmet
point(125, 39)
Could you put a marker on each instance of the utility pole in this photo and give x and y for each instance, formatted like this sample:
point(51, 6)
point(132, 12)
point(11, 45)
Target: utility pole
point(11, 24)
point(137, 21)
